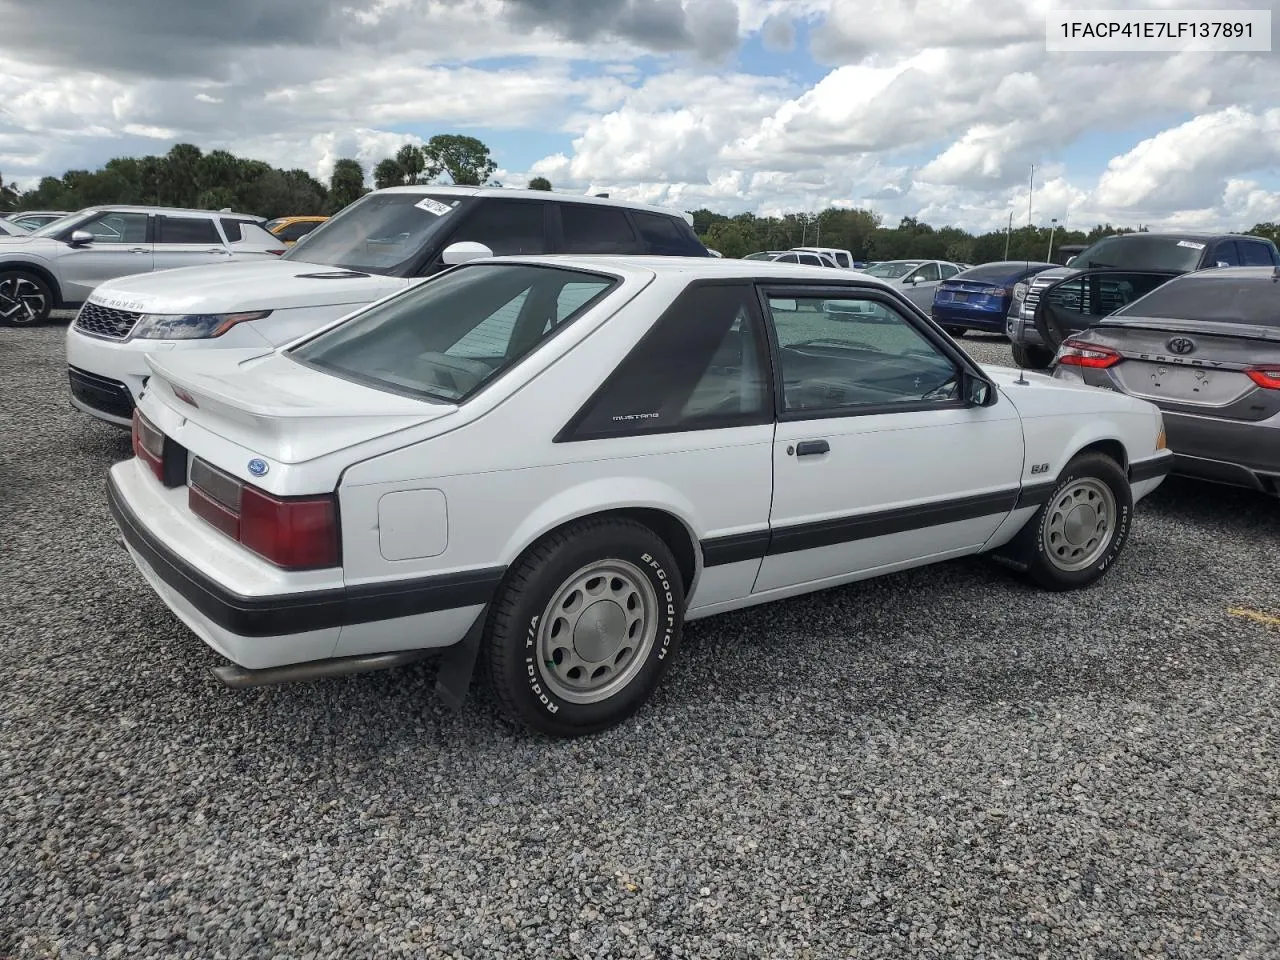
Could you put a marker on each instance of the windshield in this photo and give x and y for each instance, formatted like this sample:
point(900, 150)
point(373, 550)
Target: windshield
point(1208, 298)
point(379, 233)
point(760, 256)
point(1135, 251)
point(448, 337)
point(892, 268)
point(49, 229)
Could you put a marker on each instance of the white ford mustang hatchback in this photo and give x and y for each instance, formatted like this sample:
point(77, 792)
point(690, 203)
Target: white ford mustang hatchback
point(557, 461)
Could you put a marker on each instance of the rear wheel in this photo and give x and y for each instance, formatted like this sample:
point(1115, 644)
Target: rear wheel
point(1082, 528)
point(1033, 358)
point(956, 332)
point(584, 627)
point(25, 299)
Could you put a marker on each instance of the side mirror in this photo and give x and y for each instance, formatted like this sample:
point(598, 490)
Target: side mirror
point(462, 252)
point(979, 392)
point(80, 237)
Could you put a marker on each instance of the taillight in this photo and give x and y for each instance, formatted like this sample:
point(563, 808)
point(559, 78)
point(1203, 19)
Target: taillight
point(148, 444)
point(295, 533)
point(1268, 378)
point(1074, 353)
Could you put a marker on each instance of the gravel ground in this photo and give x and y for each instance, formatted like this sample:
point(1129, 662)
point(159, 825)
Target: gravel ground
point(943, 763)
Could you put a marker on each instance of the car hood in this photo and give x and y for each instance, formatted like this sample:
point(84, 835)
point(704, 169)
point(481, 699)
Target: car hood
point(1052, 276)
point(257, 284)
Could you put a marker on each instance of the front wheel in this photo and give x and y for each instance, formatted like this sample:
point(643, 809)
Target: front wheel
point(1082, 528)
point(956, 332)
point(584, 627)
point(25, 299)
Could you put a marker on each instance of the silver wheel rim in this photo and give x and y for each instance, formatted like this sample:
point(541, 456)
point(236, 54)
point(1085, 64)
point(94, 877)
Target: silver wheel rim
point(21, 301)
point(596, 633)
point(1081, 521)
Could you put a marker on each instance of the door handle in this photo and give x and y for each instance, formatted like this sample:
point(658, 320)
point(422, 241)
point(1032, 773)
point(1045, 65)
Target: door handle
point(809, 448)
point(217, 250)
point(139, 250)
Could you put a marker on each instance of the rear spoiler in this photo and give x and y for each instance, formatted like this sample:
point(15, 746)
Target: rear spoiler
point(1219, 328)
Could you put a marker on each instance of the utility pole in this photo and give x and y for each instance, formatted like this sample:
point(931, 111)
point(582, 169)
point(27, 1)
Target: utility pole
point(1007, 234)
point(1053, 225)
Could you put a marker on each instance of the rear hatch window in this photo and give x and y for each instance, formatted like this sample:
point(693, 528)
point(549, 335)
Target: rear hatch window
point(446, 339)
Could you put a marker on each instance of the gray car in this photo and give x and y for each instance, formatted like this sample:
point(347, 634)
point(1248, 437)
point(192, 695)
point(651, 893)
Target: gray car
point(59, 265)
point(35, 219)
point(1205, 348)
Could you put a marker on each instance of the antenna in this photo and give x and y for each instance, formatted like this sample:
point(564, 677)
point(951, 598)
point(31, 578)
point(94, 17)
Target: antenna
point(1031, 187)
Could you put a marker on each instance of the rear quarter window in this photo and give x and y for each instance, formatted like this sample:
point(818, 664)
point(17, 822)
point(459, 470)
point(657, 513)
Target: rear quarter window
point(668, 236)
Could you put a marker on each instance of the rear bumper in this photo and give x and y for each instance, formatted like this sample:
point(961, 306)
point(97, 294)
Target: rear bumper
point(953, 316)
point(278, 628)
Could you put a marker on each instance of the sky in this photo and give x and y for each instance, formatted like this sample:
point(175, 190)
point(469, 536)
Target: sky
point(935, 110)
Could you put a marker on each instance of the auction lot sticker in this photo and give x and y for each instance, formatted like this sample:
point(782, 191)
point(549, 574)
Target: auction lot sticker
point(433, 206)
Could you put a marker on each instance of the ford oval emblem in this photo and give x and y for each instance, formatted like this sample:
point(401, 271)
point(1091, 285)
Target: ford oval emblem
point(258, 467)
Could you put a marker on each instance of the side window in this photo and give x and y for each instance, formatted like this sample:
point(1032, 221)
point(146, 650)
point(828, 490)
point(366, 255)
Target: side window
point(507, 227)
point(787, 258)
point(591, 228)
point(1255, 254)
point(949, 270)
point(114, 227)
point(843, 259)
point(232, 229)
point(296, 231)
point(928, 271)
point(701, 366)
point(667, 236)
point(186, 230)
point(851, 354)
point(1224, 253)
point(811, 259)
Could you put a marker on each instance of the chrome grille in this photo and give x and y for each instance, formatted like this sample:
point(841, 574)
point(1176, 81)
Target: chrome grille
point(107, 322)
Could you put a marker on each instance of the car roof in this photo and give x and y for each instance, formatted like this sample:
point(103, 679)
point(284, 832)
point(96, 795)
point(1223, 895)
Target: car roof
point(694, 268)
point(511, 193)
point(135, 208)
point(1183, 235)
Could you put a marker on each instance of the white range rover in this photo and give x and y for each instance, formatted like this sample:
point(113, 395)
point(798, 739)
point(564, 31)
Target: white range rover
point(379, 245)
point(563, 459)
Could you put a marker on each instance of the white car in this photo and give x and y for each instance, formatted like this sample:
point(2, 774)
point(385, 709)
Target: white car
point(377, 246)
point(841, 258)
point(917, 280)
point(564, 459)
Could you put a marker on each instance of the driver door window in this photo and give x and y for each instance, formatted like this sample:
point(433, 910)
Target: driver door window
point(847, 355)
point(118, 228)
point(927, 273)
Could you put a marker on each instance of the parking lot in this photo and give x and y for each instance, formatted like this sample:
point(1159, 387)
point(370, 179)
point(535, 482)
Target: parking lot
point(942, 763)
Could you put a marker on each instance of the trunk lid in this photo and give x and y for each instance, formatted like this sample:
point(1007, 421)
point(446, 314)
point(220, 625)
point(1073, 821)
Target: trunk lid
point(1191, 366)
point(279, 409)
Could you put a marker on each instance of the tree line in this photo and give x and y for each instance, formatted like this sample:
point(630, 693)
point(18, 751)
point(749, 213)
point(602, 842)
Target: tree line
point(867, 237)
point(186, 176)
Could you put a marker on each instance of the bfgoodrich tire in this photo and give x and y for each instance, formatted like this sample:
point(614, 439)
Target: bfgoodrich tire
point(1076, 537)
point(25, 299)
point(584, 626)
